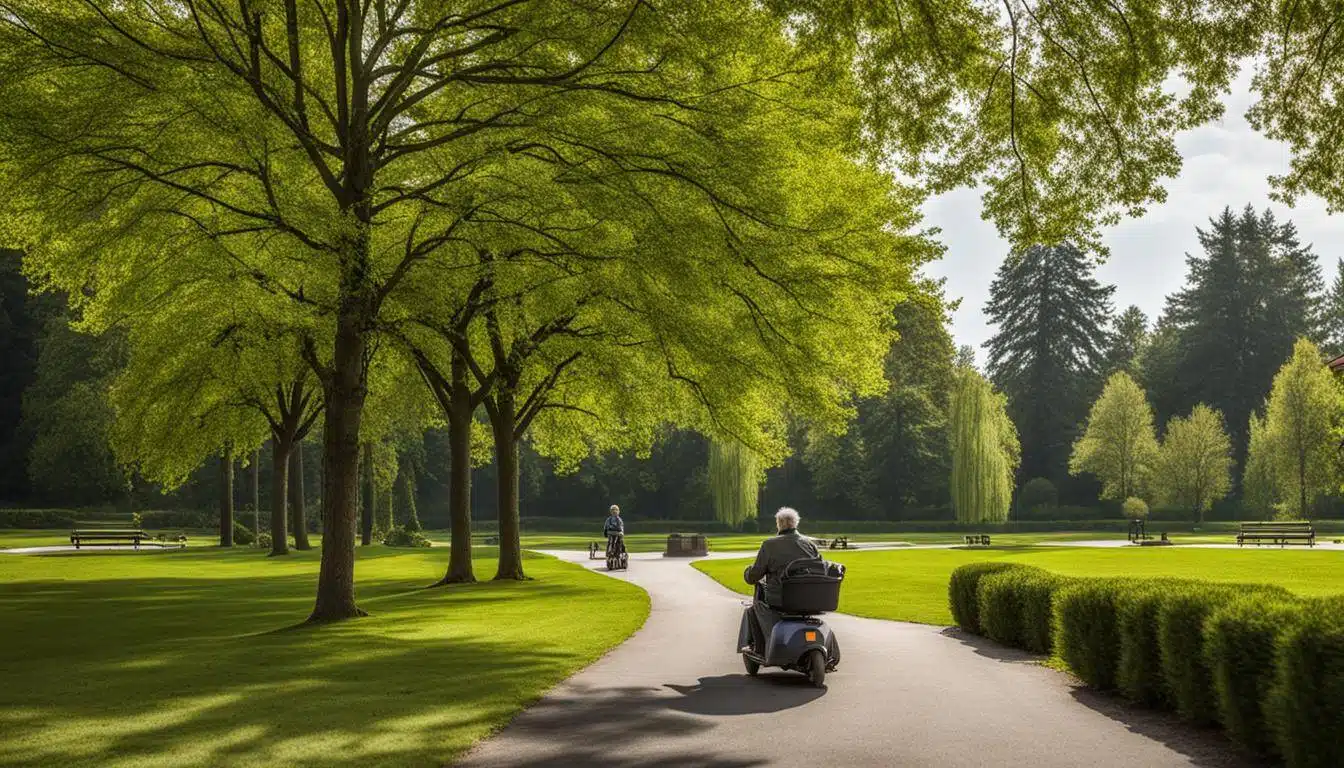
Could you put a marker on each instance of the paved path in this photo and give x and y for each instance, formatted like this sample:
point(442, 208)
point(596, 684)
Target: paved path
point(675, 694)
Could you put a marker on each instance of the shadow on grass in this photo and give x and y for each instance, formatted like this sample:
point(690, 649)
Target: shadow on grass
point(193, 671)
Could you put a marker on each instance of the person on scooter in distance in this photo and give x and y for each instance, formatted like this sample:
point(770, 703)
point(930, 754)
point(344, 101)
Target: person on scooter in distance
point(613, 527)
point(775, 554)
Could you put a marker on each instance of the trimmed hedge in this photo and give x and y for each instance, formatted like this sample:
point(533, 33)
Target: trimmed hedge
point(242, 535)
point(1139, 669)
point(963, 594)
point(1306, 703)
point(1015, 606)
point(1239, 644)
point(1086, 633)
point(176, 518)
point(400, 536)
point(36, 518)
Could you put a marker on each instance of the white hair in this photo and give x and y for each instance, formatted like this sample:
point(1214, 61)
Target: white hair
point(614, 508)
point(786, 517)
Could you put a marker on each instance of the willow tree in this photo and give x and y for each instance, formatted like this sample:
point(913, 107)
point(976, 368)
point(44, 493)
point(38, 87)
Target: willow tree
point(734, 482)
point(985, 450)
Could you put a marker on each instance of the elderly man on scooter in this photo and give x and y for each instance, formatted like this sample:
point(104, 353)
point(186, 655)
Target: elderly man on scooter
point(776, 552)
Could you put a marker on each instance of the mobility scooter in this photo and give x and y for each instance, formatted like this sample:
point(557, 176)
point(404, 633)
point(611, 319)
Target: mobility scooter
point(799, 640)
point(617, 559)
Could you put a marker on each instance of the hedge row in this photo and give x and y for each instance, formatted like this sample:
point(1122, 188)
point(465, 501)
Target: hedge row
point(36, 518)
point(1265, 665)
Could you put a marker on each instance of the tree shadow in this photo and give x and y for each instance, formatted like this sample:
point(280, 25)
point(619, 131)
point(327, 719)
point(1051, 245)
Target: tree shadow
point(192, 671)
point(990, 649)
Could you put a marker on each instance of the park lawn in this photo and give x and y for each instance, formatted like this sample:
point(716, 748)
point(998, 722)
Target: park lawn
point(193, 657)
point(911, 585)
point(11, 538)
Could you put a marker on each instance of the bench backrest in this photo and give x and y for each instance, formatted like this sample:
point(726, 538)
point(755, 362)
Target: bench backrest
point(121, 533)
point(1277, 526)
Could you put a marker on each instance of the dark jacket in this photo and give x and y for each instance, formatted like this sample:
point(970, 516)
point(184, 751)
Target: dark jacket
point(613, 525)
point(776, 553)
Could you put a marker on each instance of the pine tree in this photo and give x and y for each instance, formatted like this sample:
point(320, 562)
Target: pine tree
point(1249, 295)
point(1332, 314)
point(1050, 349)
point(1128, 338)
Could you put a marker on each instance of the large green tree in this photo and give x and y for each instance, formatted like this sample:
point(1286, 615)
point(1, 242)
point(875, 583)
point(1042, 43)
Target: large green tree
point(1118, 445)
point(1049, 350)
point(1129, 338)
point(1194, 464)
point(1252, 291)
point(985, 450)
point(1301, 418)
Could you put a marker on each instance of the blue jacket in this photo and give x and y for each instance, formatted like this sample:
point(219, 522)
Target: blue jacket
point(614, 524)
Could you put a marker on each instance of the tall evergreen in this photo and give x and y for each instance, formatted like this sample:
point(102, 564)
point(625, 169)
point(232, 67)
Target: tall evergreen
point(1128, 337)
point(1332, 314)
point(1253, 291)
point(1050, 350)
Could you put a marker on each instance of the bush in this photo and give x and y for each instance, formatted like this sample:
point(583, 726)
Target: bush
point(1086, 637)
point(399, 536)
point(1306, 702)
point(36, 518)
point(1239, 642)
point(962, 595)
point(1015, 606)
point(242, 535)
point(1139, 669)
point(1135, 509)
point(1181, 638)
point(1038, 495)
point(177, 518)
point(263, 541)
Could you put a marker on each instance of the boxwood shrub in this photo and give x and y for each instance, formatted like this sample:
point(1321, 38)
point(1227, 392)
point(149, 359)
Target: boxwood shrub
point(1180, 630)
point(1139, 667)
point(1015, 606)
point(1086, 636)
point(36, 518)
point(962, 594)
point(1306, 702)
point(1239, 643)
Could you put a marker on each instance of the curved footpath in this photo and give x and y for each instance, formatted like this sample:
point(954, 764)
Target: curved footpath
point(675, 694)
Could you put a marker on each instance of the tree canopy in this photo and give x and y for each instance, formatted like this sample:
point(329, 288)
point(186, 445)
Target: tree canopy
point(1118, 444)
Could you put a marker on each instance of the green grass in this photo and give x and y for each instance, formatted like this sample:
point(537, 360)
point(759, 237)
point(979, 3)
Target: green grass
point(192, 657)
point(911, 585)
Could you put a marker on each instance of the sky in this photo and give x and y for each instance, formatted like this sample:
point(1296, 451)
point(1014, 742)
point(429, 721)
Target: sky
point(1225, 163)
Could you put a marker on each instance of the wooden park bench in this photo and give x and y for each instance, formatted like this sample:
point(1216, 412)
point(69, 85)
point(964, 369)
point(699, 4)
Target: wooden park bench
point(840, 542)
point(1280, 533)
point(108, 538)
point(977, 539)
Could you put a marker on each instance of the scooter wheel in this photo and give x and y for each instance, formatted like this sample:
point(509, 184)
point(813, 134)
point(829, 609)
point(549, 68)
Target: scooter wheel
point(816, 667)
point(751, 665)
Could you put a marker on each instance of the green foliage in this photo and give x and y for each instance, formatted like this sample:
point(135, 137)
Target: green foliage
point(1086, 633)
point(1139, 668)
point(734, 482)
point(1194, 464)
point(1052, 317)
point(1249, 294)
point(1015, 607)
point(1134, 508)
point(242, 535)
point(1180, 638)
point(400, 536)
point(1038, 496)
point(985, 450)
point(1306, 702)
point(36, 518)
point(1305, 408)
point(963, 596)
point(263, 541)
point(1128, 341)
point(1118, 445)
point(156, 519)
point(1239, 651)
point(1259, 483)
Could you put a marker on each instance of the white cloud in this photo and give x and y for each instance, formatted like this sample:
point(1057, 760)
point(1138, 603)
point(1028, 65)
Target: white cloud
point(1225, 164)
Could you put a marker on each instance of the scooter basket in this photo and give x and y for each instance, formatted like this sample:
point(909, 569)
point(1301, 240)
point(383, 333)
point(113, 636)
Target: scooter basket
point(810, 587)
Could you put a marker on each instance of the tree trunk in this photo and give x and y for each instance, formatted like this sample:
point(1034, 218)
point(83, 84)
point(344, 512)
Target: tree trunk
point(297, 504)
point(279, 478)
point(256, 492)
point(346, 389)
point(226, 499)
point(459, 491)
point(411, 515)
point(506, 460)
point(367, 499)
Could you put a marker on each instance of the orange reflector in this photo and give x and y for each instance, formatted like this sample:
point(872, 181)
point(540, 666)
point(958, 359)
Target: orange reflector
point(811, 637)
